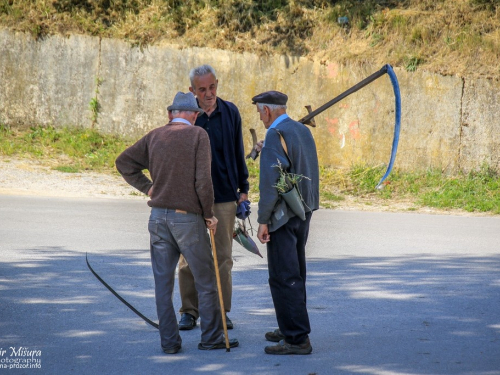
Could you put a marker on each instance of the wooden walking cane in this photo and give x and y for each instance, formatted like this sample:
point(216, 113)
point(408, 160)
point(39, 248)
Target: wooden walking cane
point(217, 276)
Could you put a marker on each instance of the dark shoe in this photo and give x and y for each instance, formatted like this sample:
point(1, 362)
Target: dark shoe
point(229, 323)
point(187, 322)
point(174, 349)
point(285, 348)
point(275, 336)
point(220, 345)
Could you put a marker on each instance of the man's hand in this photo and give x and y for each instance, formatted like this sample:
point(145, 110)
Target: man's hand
point(243, 197)
point(263, 233)
point(258, 146)
point(211, 223)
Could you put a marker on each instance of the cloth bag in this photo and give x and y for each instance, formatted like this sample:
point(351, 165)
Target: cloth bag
point(292, 197)
point(294, 202)
point(240, 233)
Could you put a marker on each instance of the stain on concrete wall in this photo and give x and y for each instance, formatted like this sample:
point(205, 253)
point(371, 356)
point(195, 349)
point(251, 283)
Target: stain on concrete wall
point(480, 128)
point(447, 122)
point(47, 82)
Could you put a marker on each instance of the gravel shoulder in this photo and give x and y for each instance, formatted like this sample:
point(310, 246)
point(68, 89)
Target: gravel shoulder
point(31, 177)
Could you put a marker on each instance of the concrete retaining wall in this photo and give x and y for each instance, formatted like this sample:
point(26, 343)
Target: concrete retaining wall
point(448, 122)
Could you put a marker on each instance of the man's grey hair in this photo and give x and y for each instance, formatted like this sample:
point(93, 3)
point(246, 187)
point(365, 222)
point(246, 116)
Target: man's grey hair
point(272, 107)
point(176, 112)
point(201, 71)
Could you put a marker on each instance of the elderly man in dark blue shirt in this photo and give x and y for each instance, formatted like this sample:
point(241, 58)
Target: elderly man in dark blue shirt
point(222, 122)
point(290, 144)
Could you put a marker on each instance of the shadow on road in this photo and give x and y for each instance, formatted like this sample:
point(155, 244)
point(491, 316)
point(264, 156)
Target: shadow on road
point(419, 314)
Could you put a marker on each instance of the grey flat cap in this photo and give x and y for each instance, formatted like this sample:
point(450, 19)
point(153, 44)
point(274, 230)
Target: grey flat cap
point(185, 102)
point(270, 97)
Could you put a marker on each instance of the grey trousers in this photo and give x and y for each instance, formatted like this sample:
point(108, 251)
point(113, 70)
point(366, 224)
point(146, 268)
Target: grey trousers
point(226, 216)
point(171, 234)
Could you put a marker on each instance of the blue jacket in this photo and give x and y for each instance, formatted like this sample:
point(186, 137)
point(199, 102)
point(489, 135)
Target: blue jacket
point(303, 156)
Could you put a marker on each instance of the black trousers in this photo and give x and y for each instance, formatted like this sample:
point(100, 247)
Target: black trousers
point(286, 259)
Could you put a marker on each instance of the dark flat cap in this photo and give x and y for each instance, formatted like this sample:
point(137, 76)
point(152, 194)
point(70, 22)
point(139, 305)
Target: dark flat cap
point(185, 102)
point(270, 97)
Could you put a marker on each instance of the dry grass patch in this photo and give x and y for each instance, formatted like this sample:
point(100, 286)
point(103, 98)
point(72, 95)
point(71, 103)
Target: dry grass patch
point(445, 36)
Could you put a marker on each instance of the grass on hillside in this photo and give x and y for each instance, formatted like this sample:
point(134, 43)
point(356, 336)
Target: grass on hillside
point(66, 150)
point(77, 150)
point(444, 36)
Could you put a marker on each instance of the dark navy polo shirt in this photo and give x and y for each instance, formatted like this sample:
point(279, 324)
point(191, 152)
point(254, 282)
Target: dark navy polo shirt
point(223, 191)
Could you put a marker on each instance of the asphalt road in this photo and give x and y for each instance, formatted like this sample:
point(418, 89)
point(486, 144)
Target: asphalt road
point(388, 294)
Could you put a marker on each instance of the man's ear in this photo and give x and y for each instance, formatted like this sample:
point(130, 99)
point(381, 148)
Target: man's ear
point(192, 90)
point(192, 119)
point(170, 116)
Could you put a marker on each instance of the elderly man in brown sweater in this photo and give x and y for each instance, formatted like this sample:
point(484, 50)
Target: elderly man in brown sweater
point(178, 158)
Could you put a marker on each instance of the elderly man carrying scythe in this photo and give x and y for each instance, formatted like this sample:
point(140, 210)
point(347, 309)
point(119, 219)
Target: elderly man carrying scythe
point(288, 148)
point(178, 158)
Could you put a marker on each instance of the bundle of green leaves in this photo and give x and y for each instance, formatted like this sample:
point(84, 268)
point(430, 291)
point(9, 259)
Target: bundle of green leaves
point(287, 180)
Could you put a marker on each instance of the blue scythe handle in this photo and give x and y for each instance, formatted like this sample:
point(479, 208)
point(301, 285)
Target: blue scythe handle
point(397, 125)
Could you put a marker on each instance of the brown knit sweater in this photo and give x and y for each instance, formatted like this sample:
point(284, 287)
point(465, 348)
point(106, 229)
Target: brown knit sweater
point(178, 158)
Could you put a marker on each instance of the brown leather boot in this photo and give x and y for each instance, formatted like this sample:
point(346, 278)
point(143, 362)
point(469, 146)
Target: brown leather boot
point(285, 348)
point(275, 336)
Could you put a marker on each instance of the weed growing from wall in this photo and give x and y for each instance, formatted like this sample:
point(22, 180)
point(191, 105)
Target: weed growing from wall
point(94, 105)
